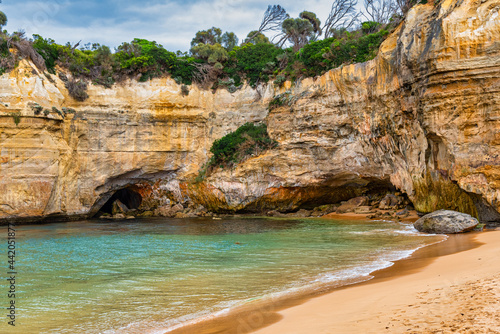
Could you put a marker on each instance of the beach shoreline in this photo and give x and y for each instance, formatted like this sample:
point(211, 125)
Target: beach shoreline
point(435, 291)
point(271, 316)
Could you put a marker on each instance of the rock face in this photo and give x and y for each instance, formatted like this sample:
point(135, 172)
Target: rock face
point(147, 136)
point(446, 222)
point(423, 117)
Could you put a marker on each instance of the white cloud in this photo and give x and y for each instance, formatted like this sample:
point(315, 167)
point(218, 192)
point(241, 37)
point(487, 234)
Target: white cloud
point(171, 23)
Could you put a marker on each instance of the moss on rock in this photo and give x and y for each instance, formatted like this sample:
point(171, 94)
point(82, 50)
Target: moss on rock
point(434, 193)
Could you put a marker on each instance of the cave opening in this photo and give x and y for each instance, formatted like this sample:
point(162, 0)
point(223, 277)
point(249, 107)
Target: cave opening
point(130, 198)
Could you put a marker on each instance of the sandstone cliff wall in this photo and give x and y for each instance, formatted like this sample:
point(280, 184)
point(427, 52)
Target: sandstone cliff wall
point(132, 133)
point(422, 116)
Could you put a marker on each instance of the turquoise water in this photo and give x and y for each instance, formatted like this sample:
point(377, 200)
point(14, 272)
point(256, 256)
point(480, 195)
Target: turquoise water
point(138, 276)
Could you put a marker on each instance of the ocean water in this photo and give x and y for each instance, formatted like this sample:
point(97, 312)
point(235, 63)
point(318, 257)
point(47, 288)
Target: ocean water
point(143, 275)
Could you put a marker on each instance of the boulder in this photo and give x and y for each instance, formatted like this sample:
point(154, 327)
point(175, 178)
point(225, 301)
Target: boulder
point(300, 214)
point(168, 210)
point(200, 210)
point(353, 203)
point(275, 213)
point(185, 215)
point(177, 208)
point(147, 214)
point(358, 201)
point(363, 209)
point(119, 207)
point(446, 222)
point(119, 216)
point(403, 213)
point(390, 201)
point(324, 210)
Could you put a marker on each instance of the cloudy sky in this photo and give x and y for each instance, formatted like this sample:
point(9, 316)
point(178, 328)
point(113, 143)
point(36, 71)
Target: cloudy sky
point(172, 23)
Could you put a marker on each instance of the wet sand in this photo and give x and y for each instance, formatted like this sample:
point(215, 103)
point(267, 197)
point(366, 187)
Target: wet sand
point(457, 292)
point(421, 294)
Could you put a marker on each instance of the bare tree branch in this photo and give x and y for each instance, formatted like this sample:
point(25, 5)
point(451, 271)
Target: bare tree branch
point(342, 15)
point(272, 21)
point(273, 18)
point(379, 10)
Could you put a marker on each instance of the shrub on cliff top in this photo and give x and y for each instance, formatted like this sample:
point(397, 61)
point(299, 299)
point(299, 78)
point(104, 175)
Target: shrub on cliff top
point(248, 140)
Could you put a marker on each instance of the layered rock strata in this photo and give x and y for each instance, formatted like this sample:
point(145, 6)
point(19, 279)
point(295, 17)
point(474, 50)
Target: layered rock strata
point(421, 117)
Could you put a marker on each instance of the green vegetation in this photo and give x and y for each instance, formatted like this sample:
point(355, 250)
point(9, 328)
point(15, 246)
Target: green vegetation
point(215, 60)
point(254, 63)
point(248, 140)
point(184, 90)
point(280, 100)
point(17, 117)
point(3, 19)
point(37, 109)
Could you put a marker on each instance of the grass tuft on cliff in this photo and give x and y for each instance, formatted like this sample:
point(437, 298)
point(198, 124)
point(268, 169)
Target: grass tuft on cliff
point(247, 141)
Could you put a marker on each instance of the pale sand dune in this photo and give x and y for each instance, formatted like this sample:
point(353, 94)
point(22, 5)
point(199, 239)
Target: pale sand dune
point(456, 293)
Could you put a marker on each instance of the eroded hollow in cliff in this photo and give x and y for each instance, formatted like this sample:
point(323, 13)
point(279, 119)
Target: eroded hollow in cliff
point(127, 196)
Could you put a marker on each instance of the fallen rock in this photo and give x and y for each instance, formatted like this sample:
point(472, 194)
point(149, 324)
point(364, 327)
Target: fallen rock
point(300, 214)
point(200, 210)
point(389, 202)
point(358, 201)
point(403, 213)
point(162, 211)
point(119, 216)
point(275, 213)
point(363, 209)
point(130, 217)
point(168, 210)
point(147, 214)
point(185, 215)
point(353, 203)
point(178, 207)
point(119, 207)
point(446, 222)
point(324, 210)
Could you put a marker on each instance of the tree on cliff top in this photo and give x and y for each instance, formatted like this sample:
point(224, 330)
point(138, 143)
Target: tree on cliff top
point(229, 40)
point(209, 36)
point(3, 19)
point(296, 31)
point(256, 37)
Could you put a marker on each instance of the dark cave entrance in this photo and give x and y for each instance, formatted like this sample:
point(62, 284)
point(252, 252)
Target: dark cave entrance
point(127, 196)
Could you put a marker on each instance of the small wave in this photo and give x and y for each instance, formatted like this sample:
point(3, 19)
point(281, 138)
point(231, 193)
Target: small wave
point(356, 274)
point(407, 229)
point(371, 232)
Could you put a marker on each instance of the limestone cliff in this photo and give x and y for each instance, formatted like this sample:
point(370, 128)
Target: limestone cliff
point(134, 133)
point(422, 116)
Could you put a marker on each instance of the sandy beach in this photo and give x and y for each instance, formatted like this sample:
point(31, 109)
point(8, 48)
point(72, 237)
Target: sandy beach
point(455, 293)
point(449, 287)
